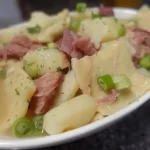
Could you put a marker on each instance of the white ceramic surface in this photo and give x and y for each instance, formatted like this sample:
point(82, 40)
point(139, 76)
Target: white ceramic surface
point(9, 143)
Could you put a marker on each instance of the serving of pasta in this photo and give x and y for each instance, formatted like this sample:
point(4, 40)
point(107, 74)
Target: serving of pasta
point(59, 73)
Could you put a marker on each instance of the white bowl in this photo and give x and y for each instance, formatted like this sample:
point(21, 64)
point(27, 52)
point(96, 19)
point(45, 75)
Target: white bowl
point(10, 143)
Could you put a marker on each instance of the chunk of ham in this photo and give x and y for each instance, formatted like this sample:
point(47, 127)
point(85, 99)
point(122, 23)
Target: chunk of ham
point(75, 46)
point(46, 86)
point(106, 11)
point(85, 45)
point(110, 98)
point(18, 47)
point(140, 39)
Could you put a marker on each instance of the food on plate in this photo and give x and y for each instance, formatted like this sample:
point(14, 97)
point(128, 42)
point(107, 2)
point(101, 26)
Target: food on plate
point(17, 89)
point(80, 112)
point(108, 29)
point(83, 76)
point(59, 73)
point(68, 89)
point(40, 61)
point(118, 61)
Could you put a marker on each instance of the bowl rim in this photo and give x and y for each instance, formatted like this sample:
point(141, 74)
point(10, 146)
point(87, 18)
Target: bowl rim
point(78, 133)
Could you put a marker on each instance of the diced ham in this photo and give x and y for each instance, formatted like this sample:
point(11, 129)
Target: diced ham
point(45, 92)
point(18, 47)
point(141, 41)
point(67, 44)
point(110, 98)
point(67, 41)
point(106, 11)
point(76, 54)
point(86, 46)
point(75, 46)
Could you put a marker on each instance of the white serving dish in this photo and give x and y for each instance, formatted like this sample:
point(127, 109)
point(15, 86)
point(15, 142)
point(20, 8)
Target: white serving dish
point(10, 143)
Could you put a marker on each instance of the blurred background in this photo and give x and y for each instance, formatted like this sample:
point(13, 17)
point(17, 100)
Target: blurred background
point(15, 11)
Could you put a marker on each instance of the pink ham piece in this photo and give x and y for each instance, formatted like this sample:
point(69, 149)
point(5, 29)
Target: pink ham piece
point(110, 98)
point(106, 11)
point(18, 47)
point(75, 46)
point(66, 44)
point(45, 92)
point(85, 45)
point(141, 40)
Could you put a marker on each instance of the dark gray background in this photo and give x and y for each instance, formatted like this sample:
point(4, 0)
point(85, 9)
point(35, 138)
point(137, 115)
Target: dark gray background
point(15, 11)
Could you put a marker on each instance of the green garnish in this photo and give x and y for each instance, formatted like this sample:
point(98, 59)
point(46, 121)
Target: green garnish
point(34, 30)
point(22, 127)
point(2, 73)
point(31, 69)
point(145, 62)
point(81, 7)
point(94, 15)
point(121, 30)
point(105, 82)
point(75, 24)
point(25, 127)
point(121, 82)
point(38, 122)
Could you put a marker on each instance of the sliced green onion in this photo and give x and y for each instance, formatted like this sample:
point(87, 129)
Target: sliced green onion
point(145, 62)
point(75, 24)
point(121, 82)
point(121, 30)
point(105, 82)
point(38, 122)
point(94, 15)
point(2, 73)
point(34, 30)
point(31, 69)
point(51, 45)
point(81, 7)
point(22, 127)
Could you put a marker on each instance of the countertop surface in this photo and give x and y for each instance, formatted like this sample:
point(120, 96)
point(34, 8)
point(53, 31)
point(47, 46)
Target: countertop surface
point(130, 133)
